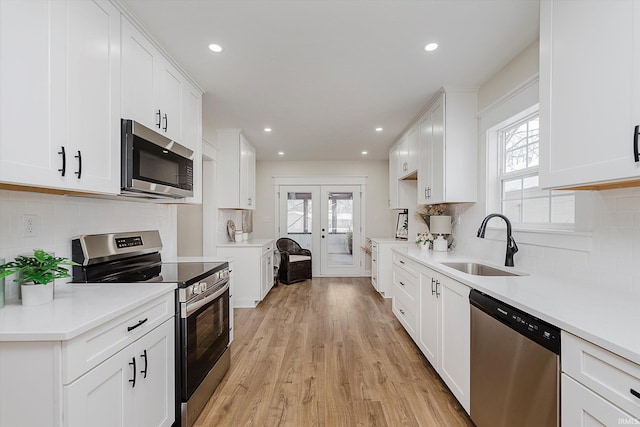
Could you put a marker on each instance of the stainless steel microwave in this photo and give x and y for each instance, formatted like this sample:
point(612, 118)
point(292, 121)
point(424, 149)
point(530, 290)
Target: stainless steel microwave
point(154, 166)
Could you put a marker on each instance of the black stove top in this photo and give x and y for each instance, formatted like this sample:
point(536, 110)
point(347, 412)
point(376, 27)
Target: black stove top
point(147, 268)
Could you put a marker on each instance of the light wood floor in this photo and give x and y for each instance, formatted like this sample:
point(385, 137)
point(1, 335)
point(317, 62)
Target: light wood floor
point(327, 352)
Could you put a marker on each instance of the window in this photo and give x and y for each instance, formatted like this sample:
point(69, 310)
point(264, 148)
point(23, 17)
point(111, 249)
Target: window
point(521, 198)
point(299, 213)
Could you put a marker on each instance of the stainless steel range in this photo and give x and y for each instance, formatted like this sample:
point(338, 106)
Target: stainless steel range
point(202, 306)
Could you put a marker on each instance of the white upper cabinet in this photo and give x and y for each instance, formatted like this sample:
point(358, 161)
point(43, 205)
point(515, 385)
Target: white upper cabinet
point(93, 95)
point(60, 107)
point(408, 153)
point(31, 132)
point(447, 142)
point(589, 92)
point(236, 171)
point(139, 62)
point(152, 88)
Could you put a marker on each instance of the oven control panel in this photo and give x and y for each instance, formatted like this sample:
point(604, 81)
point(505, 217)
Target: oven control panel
point(128, 242)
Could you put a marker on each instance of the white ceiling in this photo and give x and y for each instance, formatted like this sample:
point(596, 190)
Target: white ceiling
point(324, 74)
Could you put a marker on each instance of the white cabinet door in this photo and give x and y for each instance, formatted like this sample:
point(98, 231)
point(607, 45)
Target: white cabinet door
point(139, 65)
point(455, 332)
point(152, 88)
point(589, 88)
point(447, 142)
point(93, 96)
point(192, 136)
point(169, 87)
point(267, 274)
point(407, 153)
point(429, 316)
point(394, 172)
point(247, 174)
point(155, 384)
point(104, 397)
point(583, 408)
point(32, 106)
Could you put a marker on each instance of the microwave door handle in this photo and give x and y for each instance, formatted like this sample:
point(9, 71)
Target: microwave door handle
point(201, 301)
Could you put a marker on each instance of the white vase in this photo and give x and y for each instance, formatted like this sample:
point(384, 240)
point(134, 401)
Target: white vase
point(36, 294)
point(424, 247)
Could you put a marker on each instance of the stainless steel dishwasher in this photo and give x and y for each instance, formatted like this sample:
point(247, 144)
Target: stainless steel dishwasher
point(515, 366)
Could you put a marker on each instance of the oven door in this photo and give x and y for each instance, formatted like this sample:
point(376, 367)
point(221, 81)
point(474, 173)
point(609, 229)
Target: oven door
point(204, 327)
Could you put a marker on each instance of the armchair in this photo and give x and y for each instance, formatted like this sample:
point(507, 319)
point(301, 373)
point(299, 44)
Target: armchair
point(295, 262)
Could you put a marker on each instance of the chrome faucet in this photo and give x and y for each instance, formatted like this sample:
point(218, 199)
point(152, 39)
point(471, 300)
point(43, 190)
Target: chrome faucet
point(512, 248)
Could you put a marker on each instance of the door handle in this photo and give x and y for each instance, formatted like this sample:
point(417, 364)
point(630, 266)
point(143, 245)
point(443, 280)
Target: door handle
point(636, 152)
point(133, 363)
point(166, 122)
point(159, 119)
point(437, 293)
point(433, 291)
point(144, 371)
point(79, 157)
point(64, 161)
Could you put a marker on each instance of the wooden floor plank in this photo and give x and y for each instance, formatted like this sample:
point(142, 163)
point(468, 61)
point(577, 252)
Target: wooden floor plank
point(328, 352)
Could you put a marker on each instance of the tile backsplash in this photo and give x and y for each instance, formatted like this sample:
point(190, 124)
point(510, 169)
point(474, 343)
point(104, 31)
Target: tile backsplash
point(608, 259)
point(57, 219)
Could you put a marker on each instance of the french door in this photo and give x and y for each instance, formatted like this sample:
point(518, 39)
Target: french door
point(326, 220)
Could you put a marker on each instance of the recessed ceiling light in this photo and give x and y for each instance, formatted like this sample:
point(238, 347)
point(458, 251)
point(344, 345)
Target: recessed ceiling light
point(431, 47)
point(378, 129)
point(365, 153)
point(215, 47)
point(280, 153)
point(267, 129)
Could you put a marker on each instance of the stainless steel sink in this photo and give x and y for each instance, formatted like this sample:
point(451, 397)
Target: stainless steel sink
point(478, 269)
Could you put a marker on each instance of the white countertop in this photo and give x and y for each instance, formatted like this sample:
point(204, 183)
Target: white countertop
point(75, 309)
point(246, 243)
point(388, 240)
point(602, 316)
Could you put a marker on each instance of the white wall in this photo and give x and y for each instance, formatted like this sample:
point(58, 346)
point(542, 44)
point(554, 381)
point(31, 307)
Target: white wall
point(604, 258)
point(62, 218)
point(380, 220)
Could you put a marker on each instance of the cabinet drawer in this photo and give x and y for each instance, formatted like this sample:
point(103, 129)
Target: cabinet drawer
point(82, 353)
point(268, 248)
point(608, 374)
point(405, 283)
point(582, 407)
point(406, 313)
point(405, 264)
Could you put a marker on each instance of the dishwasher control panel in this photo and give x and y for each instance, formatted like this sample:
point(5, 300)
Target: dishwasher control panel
point(533, 328)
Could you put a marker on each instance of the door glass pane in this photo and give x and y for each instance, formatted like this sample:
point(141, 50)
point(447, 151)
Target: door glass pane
point(340, 229)
point(299, 218)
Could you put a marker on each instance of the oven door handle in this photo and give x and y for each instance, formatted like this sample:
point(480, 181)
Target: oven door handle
point(201, 300)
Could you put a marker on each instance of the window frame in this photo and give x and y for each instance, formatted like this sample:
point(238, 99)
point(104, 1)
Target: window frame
point(529, 171)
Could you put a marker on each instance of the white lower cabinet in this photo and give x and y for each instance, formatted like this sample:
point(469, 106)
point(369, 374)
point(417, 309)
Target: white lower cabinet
point(444, 331)
point(253, 270)
point(405, 293)
point(120, 373)
point(583, 408)
point(135, 387)
point(598, 387)
point(381, 274)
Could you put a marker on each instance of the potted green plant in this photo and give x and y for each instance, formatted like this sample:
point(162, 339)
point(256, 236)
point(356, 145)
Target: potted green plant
point(37, 273)
point(349, 240)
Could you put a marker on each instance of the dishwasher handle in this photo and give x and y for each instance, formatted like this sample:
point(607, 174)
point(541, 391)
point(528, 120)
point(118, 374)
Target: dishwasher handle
point(537, 330)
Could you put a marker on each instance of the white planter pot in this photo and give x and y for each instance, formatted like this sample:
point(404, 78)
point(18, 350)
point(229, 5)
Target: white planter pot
point(36, 294)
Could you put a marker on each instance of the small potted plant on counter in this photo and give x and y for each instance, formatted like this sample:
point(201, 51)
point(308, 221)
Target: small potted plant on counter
point(424, 240)
point(37, 274)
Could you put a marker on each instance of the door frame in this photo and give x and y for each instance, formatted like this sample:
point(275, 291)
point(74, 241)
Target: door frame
point(293, 181)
